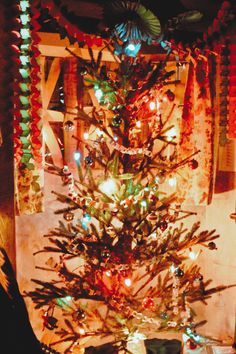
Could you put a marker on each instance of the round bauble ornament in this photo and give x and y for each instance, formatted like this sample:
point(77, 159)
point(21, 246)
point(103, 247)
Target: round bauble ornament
point(191, 344)
point(212, 246)
point(170, 95)
point(82, 70)
point(163, 225)
point(148, 303)
point(69, 126)
point(152, 218)
point(89, 160)
point(116, 121)
point(68, 216)
point(164, 315)
point(105, 254)
point(79, 315)
point(50, 322)
point(193, 164)
point(179, 272)
point(76, 246)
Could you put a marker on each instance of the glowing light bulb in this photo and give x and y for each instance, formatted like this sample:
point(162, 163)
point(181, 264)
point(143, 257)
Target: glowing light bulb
point(172, 268)
point(171, 134)
point(172, 181)
point(109, 187)
point(152, 106)
point(81, 331)
point(131, 46)
point(193, 255)
point(77, 156)
point(99, 132)
point(24, 5)
point(86, 136)
point(115, 138)
point(138, 124)
point(128, 282)
point(86, 218)
point(108, 273)
point(143, 203)
point(98, 94)
point(24, 19)
point(25, 33)
point(185, 337)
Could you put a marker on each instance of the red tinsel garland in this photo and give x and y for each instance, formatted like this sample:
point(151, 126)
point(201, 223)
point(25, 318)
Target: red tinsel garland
point(36, 120)
point(26, 103)
point(72, 30)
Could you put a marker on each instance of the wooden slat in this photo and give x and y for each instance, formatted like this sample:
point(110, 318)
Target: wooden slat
point(52, 45)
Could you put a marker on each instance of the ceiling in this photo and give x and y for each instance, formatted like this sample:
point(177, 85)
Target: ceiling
point(88, 15)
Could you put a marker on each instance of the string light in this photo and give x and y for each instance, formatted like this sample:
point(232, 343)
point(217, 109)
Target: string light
point(172, 181)
point(81, 331)
point(172, 268)
point(98, 93)
point(86, 136)
point(138, 124)
point(77, 156)
point(131, 46)
point(108, 273)
point(193, 255)
point(143, 203)
point(171, 134)
point(152, 105)
point(99, 132)
point(109, 187)
point(128, 282)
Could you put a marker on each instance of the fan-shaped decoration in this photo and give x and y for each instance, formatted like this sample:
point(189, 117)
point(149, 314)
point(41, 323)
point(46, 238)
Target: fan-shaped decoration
point(184, 20)
point(130, 20)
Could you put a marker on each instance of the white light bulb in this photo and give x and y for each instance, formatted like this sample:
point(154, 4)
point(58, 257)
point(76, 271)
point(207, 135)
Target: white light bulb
point(128, 282)
point(171, 134)
point(152, 106)
point(86, 136)
point(81, 331)
point(98, 94)
point(172, 268)
point(172, 181)
point(109, 187)
point(77, 155)
point(131, 46)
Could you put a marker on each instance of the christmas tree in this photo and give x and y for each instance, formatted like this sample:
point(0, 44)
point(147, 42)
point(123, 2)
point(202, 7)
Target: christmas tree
point(120, 253)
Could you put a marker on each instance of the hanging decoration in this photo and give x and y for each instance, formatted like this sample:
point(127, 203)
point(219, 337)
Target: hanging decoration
point(27, 120)
point(221, 23)
point(72, 30)
point(197, 131)
point(231, 128)
point(131, 21)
